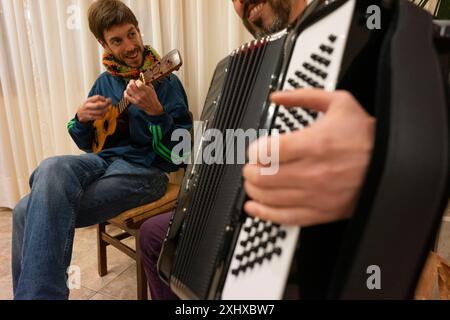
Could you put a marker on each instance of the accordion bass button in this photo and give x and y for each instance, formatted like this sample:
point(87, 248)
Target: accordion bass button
point(282, 234)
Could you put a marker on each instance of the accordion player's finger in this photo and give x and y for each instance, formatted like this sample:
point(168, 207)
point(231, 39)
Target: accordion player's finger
point(298, 174)
point(286, 147)
point(303, 217)
point(281, 197)
point(316, 99)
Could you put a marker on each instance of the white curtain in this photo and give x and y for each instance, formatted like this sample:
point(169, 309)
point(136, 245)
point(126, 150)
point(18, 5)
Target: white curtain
point(49, 60)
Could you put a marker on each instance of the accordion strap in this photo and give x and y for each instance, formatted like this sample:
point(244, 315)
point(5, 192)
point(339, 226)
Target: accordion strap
point(406, 190)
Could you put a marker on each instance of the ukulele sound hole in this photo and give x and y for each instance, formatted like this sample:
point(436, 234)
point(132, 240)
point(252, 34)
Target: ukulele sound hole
point(106, 125)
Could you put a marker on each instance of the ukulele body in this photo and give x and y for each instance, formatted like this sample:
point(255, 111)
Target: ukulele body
point(104, 128)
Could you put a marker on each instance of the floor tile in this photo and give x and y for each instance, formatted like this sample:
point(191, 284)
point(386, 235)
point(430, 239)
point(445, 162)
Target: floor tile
point(100, 296)
point(6, 292)
point(82, 294)
point(123, 287)
point(5, 268)
point(85, 257)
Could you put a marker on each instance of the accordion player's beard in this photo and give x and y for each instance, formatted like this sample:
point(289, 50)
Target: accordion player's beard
point(280, 10)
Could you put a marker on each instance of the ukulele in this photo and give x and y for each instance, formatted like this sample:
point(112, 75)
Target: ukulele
point(107, 126)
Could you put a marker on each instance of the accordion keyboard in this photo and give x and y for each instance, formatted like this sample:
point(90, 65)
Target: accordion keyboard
point(264, 251)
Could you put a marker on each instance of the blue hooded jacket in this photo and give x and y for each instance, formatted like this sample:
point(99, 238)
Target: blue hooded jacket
point(148, 142)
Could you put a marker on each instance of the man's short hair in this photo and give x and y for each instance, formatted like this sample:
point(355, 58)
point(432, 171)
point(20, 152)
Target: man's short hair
point(105, 14)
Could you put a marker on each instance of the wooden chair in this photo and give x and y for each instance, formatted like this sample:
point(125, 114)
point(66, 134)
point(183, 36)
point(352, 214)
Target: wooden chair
point(130, 222)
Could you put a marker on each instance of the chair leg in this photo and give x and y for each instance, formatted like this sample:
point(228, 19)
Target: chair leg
point(101, 250)
point(141, 277)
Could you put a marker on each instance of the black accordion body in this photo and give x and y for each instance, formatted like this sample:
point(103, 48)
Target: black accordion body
point(214, 251)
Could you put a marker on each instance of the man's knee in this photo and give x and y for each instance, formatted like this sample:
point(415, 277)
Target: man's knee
point(55, 167)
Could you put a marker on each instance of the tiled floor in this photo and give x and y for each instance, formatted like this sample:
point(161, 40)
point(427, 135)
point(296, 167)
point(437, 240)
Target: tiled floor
point(120, 283)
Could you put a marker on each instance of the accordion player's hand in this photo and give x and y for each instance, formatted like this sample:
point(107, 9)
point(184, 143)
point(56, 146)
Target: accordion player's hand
point(321, 169)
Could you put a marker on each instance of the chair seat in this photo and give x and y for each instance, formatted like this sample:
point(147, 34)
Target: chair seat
point(135, 217)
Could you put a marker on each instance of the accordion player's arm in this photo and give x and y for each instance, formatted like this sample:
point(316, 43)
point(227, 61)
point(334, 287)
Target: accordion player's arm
point(321, 169)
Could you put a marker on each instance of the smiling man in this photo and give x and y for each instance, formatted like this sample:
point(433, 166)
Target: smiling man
point(134, 54)
point(263, 17)
point(77, 191)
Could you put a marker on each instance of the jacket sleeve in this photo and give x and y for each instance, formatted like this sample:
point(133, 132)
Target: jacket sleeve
point(83, 134)
point(176, 116)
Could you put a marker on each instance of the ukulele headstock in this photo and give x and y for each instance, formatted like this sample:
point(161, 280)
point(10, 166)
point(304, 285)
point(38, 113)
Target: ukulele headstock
point(169, 63)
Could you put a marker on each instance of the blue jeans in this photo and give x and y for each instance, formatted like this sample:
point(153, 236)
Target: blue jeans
point(69, 192)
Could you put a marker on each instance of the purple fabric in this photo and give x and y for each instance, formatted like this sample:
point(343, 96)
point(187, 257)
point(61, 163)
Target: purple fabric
point(153, 232)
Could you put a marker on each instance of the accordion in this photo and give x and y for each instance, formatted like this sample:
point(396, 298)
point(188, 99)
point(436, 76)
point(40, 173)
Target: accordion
point(213, 250)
